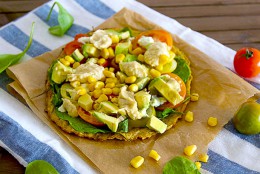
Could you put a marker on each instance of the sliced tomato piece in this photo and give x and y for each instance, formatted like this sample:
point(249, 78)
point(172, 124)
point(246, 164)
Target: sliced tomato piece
point(71, 47)
point(182, 92)
point(160, 35)
point(80, 35)
point(88, 117)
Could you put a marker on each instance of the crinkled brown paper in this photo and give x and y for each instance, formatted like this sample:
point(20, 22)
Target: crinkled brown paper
point(221, 92)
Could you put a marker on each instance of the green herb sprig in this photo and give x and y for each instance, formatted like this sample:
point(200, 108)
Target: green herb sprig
point(64, 18)
point(7, 60)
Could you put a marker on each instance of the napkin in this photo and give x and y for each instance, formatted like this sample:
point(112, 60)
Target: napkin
point(98, 11)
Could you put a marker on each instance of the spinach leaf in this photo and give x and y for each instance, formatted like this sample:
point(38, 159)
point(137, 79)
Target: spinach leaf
point(181, 165)
point(40, 167)
point(78, 124)
point(123, 126)
point(56, 99)
point(166, 112)
point(182, 69)
point(64, 18)
point(7, 60)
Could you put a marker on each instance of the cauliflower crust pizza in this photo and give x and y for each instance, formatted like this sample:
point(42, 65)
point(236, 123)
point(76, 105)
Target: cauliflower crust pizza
point(118, 84)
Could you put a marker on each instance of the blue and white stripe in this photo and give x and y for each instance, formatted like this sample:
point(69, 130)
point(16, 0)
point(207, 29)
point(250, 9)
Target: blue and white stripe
point(28, 143)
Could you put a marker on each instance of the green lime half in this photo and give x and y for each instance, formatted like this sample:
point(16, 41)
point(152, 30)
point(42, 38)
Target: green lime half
point(40, 167)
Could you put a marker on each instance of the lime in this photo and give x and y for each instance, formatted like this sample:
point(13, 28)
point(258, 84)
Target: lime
point(247, 118)
point(40, 167)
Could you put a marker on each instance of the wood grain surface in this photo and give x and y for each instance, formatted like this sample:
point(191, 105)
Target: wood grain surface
point(234, 23)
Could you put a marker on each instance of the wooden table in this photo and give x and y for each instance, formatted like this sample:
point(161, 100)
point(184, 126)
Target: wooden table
point(234, 23)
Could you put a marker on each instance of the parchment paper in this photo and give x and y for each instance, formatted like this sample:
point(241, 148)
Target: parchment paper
point(221, 92)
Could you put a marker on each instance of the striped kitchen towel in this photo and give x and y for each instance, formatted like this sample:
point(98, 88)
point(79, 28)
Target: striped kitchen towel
point(27, 138)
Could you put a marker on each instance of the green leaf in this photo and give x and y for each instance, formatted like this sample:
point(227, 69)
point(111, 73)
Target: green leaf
point(182, 69)
point(78, 124)
point(123, 126)
point(64, 18)
point(40, 167)
point(7, 60)
point(166, 112)
point(181, 165)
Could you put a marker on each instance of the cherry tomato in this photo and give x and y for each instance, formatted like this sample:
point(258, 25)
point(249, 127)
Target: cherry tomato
point(88, 117)
point(247, 62)
point(247, 118)
point(160, 35)
point(71, 47)
point(182, 92)
point(80, 35)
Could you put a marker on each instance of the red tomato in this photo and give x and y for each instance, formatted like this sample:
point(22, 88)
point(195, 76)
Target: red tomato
point(247, 62)
point(182, 92)
point(80, 35)
point(160, 35)
point(71, 47)
point(86, 116)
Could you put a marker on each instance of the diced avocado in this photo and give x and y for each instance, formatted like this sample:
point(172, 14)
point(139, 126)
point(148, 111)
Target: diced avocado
point(89, 50)
point(151, 111)
point(138, 123)
point(156, 124)
point(85, 102)
point(59, 72)
point(122, 48)
point(107, 107)
point(77, 55)
point(151, 87)
point(110, 121)
point(121, 34)
point(168, 92)
point(143, 99)
point(142, 82)
point(130, 58)
point(121, 76)
point(63, 90)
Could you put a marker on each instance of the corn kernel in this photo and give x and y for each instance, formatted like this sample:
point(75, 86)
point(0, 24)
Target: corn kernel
point(154, 73)
point(91, 86)
point(109, 74)
point(130, 79)
point(120, 58)
point(91, 79)
point(97, 93)
point(110, 85)
point(203, 158)
point(137, 51)
point(107, 91)
point(76, 65)
point(81, 90)
point(133, 88)
point(140, 58)
point(198, 164)
point(111, 80)
point(163, 59)
point(104, 53)
point(102, 98)
point(101, 61)
point(137, 161)
point(111, 53)
point(99, 85)
point(95, 106)
point(115, 91)
point(190, 150)
point(65, 62)
point(153, 154)
point(75, 84)
point(111, 69)
point(114, 38)
point(70, 59)
point(114, 100)
point(194, 97)
point(212, 121)
point(159, 67)
point(189, 116)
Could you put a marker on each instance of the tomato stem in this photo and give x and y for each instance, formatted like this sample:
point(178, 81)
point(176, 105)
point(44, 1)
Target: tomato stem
point(248, 54)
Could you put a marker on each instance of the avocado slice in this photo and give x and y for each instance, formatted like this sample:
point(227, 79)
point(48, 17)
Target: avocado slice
point(107, 107)
point(110, 121)
point(59, 72)
point(130, 58)
point(122, 48)
point(89, 50)
point(138, 123)
point(167, 91)
point(156, 124)
point(85, 101)
point(143, 99)
point(142, 82)
point(63, 90)
point(77, 55)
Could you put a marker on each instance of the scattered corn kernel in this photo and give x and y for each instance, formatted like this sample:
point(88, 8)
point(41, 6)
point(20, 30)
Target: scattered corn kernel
point(212, 121)
point(120, 58)
point(189, 116)
point(140, 58)
point(111, 53)
point(159, 67)
point(107, 91)
point(65, 62)
point(114, 100)
point(137, 51)
point(91, 79)
point(99, 85)
point(154, 73)
point(114, 38)
point(91, 86)
point(130, 79)
point(111, 80)
point(102, 98)
point(203, 158)
point(70, 59)
point(163, 59)
point(101, 61)
point(112, 69)
point(81, 90)
point(95, 106)
point(153, 154)
point(190, 150)
point(133, 88)
point(115, 91)
point(110, 85)
point(137, 161)
point(194, 97)
point(104, 53)
point(97, 93)
point(198, 164)
point(75, 65)
point(109, 74)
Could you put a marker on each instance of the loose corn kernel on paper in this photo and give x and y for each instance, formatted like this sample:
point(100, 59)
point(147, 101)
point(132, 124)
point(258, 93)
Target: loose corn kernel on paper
point(220, 91)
